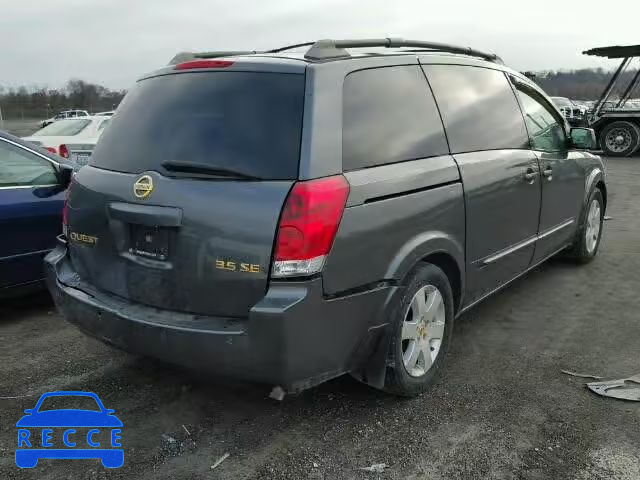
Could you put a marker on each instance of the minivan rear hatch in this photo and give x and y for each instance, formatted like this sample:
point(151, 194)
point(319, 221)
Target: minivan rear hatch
point(179, 206)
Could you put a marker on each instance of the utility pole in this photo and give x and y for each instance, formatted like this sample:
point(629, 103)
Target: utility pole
point(1, 120)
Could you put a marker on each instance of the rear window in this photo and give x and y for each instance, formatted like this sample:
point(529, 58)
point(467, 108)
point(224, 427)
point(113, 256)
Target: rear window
point(63, 128)
point(248, 122)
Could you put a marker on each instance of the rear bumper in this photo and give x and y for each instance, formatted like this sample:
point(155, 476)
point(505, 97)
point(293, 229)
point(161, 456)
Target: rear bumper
point(293, 337)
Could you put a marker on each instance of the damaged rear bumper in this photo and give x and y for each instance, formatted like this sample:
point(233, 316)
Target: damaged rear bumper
point(293, 337)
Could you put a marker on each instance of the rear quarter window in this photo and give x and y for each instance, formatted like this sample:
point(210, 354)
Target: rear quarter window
point(479, 108)
point(249, 122)
point(389, 116)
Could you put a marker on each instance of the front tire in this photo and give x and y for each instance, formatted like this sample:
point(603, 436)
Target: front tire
point(587, 242)
point(620, 139)
point(422, 318)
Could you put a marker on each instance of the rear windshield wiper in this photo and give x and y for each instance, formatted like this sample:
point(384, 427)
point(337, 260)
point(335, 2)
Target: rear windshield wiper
point(205, 169)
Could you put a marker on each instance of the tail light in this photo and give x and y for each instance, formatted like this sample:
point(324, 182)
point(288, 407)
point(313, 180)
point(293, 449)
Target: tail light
point(65, 211)
point(308, 226)
point(63, 151)
point(52, 150)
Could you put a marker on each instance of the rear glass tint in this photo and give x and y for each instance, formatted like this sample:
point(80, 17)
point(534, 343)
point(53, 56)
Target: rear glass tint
point(389, 116)
point(479, 108)
point(63, 128)
point(248, 122)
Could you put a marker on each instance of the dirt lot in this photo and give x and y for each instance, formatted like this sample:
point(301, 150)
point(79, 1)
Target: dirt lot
point(503, 411)
point(21, 128)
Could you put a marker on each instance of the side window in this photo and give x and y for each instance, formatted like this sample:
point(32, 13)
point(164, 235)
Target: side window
point(479, 109)
point(20, 168)
point(545, 129)
point(389, 116)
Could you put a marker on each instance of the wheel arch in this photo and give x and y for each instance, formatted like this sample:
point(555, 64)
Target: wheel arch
point(603, 188)
point(595, 179)
point(439, 248)
point(445, 262)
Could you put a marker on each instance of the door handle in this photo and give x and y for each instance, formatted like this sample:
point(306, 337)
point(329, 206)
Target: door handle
point(530, 175)
point(548, 172)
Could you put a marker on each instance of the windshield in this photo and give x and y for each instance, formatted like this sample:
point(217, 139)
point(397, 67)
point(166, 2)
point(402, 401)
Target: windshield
point(60, 402)
point(63, 128)
point(244, 121)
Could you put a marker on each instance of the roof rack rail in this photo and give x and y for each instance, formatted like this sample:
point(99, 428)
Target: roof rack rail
point(290, 47)
point(328, 49)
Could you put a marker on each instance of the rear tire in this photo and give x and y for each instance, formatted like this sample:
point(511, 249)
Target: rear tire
point(422, 319)
point(619, 139)
point(587, 242)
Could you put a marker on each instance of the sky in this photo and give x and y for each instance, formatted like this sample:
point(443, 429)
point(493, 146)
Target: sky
point(113, 42)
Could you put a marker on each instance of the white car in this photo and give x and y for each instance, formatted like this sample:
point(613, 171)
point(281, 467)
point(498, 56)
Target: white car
point(64, 115)
point(70, 131)
point(78, 153)
point(105, 114)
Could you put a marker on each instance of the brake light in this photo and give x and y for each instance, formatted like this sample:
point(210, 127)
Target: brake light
point(63, 151)
point(308, 225)
point(52, 150)
point(203, 64)
point(65, 210)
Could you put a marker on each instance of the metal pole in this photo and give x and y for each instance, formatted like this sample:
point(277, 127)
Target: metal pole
point(607, 91)
point(629, 90)
point(1, 120)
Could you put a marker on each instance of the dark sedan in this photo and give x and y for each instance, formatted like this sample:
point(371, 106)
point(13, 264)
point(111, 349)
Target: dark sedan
point(32, 192)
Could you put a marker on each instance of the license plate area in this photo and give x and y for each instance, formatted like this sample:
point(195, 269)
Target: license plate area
point(150, 242)
point(82, 159)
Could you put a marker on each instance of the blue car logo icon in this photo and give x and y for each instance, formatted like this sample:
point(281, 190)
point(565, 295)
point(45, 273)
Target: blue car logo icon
point(89, 432)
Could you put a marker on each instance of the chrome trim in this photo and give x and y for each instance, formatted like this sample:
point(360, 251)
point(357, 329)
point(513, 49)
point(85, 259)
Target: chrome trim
point(553, 230)
point(509, 251)
point(22, 187)
point(497, 289)
point(497, 256)
point(57, 164)
point(18, 255)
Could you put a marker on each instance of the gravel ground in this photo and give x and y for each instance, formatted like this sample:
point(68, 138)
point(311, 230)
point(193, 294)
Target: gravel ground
point(21, 128)
point(503, 410)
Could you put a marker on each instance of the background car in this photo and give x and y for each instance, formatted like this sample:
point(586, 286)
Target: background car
point(78, 154)
point(68, 131)
point(572, 111)
point(32, 184)
point(64, 115)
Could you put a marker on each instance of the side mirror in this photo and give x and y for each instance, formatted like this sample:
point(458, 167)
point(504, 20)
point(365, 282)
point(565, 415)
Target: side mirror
point(583, 138)
point(29, 411)
point(109, 411)
point(64, 175)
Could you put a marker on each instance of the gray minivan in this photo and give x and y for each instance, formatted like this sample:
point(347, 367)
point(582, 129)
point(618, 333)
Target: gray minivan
point(290, 217)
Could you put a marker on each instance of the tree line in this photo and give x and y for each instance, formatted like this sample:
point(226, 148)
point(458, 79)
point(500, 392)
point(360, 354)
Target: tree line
point(584, 84)
point(42, 102)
